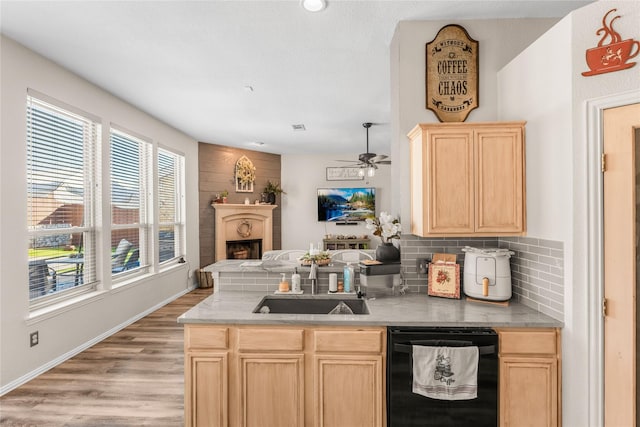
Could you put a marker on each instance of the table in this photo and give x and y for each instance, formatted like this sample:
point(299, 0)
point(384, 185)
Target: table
point(79, 264)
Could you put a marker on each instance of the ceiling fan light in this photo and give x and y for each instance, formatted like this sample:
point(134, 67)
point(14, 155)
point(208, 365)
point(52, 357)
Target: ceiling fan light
point(361, 172)
point(371, 171)
point(313, 5)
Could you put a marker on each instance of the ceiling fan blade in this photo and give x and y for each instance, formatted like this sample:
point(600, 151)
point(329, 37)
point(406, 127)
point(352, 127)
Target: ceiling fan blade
point(379, 157)
point(383, 162)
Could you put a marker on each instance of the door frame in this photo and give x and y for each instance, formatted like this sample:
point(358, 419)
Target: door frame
point(595, 247)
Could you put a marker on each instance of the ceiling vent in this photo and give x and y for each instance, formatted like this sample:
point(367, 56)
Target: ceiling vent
point(298, 127)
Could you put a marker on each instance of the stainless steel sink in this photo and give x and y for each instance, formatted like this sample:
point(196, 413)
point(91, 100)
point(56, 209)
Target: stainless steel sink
point(308, 305)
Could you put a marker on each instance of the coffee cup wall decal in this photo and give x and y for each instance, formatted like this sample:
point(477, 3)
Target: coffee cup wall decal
point(612, 52)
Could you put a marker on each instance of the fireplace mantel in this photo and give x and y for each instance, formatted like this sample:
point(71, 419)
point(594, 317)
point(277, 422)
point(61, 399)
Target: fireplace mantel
point(230, 225)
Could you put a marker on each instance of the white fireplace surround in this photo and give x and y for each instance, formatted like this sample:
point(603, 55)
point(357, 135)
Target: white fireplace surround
point(239, 222)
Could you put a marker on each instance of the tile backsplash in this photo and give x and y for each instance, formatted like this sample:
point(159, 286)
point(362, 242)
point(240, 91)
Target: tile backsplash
point(537, 268)
point(537, 273)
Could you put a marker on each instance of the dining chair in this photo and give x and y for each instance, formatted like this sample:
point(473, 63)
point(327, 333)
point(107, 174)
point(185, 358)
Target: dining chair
point(42, 278)
point(132, 262)
point(120, 255)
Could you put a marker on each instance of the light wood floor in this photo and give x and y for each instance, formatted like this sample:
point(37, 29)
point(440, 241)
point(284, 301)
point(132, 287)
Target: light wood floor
point(133, 378)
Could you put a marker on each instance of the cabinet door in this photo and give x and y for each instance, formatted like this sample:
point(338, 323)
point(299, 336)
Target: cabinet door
point(271, 388)
point(528, 392)
point(450, 181)
point(499, 189)
point(348, 390)
point(206, 389)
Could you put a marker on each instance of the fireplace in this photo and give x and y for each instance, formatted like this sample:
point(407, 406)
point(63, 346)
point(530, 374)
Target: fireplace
point(243, 231)
point(244, 249)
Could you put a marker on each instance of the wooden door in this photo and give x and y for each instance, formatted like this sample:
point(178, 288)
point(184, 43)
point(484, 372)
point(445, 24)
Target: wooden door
point(620, 265)
point(271, 390)
point(348, 390)
point(499, 181)
point(206, 389)
point(528, 391)
point(450, 181)
point(529, 381)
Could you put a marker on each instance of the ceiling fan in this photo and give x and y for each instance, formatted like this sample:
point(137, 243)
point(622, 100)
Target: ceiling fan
point(368, 162)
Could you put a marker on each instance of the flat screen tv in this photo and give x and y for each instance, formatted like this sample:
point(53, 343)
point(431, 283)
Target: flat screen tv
point(346, 204)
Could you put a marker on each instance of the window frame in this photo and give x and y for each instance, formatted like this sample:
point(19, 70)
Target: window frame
point(91, 170)
point(179, 223)
point(144, 224)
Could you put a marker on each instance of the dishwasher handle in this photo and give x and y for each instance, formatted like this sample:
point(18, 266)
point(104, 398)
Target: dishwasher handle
point(408, 348)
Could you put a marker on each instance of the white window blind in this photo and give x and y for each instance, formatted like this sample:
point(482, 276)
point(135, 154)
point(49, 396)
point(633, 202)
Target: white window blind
point(170, 205)
point(61, 188)
point(130, 183)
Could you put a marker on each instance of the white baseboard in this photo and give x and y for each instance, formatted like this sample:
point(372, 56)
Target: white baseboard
point(68, 355)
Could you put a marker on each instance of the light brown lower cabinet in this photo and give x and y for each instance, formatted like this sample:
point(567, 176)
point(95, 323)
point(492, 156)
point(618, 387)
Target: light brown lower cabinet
point(254, 375)
point(530, 386)
point(257, 375)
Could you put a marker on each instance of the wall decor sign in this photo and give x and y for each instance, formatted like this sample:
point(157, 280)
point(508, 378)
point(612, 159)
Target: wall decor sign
point(344, 174)
point(452, 74)
point(245, 175)
point(612, 53)
point(444, 276)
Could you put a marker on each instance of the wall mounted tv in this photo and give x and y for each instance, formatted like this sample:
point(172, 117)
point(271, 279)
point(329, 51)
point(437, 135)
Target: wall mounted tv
point(342, 205)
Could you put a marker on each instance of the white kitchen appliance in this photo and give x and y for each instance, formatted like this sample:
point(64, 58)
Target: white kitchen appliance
point(487, 273)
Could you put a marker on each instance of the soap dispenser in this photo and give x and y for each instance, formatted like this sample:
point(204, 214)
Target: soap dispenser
point(284, 285)
point(295, 281)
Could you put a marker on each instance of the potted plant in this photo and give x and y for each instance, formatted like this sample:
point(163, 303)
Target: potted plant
point(272, 189)
point(224, 194)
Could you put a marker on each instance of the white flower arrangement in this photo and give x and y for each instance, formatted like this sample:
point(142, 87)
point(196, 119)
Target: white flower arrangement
point(385, 226)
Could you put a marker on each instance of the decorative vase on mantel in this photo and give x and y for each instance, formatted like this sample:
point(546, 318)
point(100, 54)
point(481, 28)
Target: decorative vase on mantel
point(387, 252)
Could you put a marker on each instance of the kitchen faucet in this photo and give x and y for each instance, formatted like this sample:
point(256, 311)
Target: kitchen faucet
point(313, 275)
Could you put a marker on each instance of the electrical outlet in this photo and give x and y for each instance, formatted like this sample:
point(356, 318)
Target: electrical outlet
point(422, 265)
point(33, 338)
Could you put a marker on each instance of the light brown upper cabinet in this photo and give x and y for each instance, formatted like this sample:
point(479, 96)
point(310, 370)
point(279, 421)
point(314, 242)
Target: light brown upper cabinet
point(468, 179)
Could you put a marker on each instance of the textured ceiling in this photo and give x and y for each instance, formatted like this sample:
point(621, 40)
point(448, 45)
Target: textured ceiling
point(188, 62)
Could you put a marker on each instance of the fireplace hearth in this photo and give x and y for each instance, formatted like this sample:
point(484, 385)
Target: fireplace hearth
point(243, 231)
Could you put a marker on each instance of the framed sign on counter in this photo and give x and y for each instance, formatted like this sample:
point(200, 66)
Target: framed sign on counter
point(452, 74)
point(444, 277)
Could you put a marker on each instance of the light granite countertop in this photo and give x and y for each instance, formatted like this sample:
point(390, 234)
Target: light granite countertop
point(268, 266)
point(236, 307)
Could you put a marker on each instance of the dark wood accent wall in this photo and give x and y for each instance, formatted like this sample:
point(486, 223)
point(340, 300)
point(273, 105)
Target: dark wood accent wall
point(216, 165)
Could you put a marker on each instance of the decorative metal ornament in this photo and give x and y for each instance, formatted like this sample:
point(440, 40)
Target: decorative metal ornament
point(612, 53)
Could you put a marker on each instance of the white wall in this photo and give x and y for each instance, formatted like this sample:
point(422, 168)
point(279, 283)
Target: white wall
point(65, 331)
point(499, 42)
point(557, 198)
point(302, 175)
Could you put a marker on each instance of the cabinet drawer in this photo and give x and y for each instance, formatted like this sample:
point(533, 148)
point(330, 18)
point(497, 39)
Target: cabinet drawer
point(270, 339)
point(206, 337)
point(348, 341)
point(523, 341)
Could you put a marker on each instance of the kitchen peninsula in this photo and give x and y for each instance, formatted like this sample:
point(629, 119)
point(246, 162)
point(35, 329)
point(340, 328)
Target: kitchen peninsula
point(322, 369)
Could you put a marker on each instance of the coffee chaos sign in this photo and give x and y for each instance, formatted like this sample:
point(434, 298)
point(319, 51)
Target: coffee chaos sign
point(452, 74)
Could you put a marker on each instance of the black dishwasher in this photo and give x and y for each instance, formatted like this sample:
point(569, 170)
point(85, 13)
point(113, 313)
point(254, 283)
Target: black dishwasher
point(406, 409)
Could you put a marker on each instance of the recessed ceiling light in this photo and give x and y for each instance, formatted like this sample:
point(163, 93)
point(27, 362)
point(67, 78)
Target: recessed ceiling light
point(258, 143)
point(298, 127)
point(313, 5)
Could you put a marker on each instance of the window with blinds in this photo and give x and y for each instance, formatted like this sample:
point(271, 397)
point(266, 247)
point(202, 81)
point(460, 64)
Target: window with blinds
point(130, 189)
point(61, 170)
point(170, 205)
